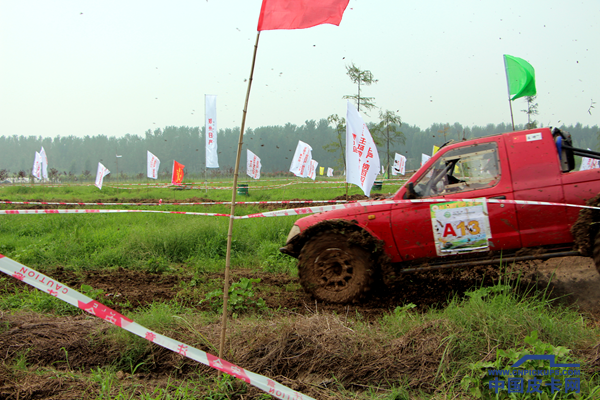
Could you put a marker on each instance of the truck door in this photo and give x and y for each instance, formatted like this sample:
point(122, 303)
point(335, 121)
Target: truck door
point(536, 172)
point(460, 171)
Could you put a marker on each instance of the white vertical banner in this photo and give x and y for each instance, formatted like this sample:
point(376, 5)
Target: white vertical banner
point(589, 163)
point(330, 172)
point(44, 163)
point(362, 158)
point(102, 172)
point(424, 158)
point(37, 166)
point(301, 160)
point(153, 165)
point(252, 165)
point(212, 155)
point(399, 165)
point(312, 169)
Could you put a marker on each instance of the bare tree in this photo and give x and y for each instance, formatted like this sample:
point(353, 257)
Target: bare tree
point(339, 124)
point(531, 111)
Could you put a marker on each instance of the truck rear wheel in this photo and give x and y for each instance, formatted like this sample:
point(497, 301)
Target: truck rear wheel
point(596, 252)
point(334, 270)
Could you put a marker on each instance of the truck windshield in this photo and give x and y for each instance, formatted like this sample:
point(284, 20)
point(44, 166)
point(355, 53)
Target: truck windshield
point(460, 170)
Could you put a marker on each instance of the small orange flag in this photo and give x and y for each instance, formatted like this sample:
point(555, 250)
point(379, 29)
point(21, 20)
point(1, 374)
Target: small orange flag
point(177, 173)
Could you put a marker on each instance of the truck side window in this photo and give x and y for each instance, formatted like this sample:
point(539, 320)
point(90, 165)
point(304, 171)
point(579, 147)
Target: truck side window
point(461, 170)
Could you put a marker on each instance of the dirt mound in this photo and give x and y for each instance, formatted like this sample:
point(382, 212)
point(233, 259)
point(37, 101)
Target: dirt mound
point(312, 349)
point(353, 197)
point(121, 289)
point(286, 206)
point(307, 351)
point(61, 342)
point(165, 201)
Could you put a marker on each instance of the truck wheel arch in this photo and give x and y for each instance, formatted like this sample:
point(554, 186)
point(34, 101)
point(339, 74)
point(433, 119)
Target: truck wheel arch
point(586, 228)
point(339, 261)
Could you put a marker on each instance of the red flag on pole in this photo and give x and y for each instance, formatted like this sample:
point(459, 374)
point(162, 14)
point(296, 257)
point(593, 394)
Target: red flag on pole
point(177, 173)
point(300, 14)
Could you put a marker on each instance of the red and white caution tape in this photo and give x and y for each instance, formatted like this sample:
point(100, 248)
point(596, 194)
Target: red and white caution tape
point(319, 209)
point(73, 297)
point(87, 211)
point(297, 211)
point(160, 203)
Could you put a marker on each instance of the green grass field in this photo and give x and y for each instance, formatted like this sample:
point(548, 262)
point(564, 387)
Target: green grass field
point(403, 351)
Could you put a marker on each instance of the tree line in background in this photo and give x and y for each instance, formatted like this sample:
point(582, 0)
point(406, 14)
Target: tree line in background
point(70, 157)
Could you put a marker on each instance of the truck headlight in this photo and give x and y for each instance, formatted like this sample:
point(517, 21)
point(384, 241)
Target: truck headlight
point(293, 232)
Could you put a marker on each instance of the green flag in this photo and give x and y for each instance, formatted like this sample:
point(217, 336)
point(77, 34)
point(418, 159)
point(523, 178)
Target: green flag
point(520, 77)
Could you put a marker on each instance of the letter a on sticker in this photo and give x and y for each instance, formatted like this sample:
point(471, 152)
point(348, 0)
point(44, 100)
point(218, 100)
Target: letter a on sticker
point(449, 230)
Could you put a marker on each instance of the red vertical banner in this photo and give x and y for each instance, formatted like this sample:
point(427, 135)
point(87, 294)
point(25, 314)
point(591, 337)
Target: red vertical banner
point(177, 173)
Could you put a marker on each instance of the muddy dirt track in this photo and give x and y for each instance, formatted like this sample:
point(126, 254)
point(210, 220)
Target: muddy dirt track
point(574, 279)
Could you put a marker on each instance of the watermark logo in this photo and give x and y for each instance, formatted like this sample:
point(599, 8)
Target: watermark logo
point(556, 377)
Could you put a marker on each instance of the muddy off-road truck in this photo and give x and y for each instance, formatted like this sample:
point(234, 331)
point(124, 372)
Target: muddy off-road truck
point(343, 253)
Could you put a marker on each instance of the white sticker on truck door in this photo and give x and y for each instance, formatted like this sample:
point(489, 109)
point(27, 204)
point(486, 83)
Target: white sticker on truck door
point(534, 136)
point(460, 227)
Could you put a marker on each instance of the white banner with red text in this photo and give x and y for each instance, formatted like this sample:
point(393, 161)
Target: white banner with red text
point(212, 155)
point(252, 165)
point(301, 161)
point(362, 159)
point(100, 174)
point(153, 166)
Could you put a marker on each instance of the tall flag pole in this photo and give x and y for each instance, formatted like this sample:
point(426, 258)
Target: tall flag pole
point(275, 14)
point(233, 192)
point(520, 80)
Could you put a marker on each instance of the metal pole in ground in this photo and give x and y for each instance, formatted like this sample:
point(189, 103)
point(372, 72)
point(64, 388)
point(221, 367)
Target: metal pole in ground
point(118, 156)
point(233, 193)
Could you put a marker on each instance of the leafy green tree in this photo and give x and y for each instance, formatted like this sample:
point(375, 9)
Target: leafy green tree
point(339, 126)
point(360, 77)
point(387, 132)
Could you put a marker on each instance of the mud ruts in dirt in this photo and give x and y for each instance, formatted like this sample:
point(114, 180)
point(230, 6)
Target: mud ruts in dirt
point(302, 346)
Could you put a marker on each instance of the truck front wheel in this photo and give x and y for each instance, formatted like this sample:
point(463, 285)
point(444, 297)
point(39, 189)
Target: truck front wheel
point(334, 270)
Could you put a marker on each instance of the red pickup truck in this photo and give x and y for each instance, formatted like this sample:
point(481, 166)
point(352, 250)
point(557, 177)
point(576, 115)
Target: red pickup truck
point(343, 253)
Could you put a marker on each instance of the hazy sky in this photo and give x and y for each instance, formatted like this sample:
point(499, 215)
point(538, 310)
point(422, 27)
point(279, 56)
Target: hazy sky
point(116, 67)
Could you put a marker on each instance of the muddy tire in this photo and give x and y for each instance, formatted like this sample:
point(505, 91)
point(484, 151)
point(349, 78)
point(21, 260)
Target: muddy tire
point(585, 230)
point(596, 254)
point(334, 270)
